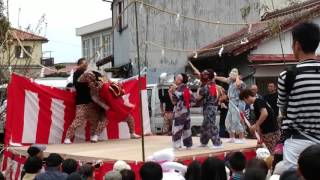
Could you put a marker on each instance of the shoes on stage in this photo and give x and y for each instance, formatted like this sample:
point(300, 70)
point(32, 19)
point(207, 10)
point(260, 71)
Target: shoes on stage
point(190, 148)
point(239, 141)
point(203, 145)
point(230, 140)
point(67, 141)
point(15, 144)
point(94, 138)
point(134, 136)
point(216, 147)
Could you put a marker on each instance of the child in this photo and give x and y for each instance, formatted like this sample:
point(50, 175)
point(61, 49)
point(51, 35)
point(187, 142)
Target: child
point(237, 163)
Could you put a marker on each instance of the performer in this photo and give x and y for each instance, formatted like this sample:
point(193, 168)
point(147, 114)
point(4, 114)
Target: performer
point(210, 93)
point(233, 119)
point(110, 95)
point(265, 122)
point(167, 111)
point(86, 109)
point(181, 97)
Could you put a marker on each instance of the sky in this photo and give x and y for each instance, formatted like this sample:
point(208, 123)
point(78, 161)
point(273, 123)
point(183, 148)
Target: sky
point(62, 17)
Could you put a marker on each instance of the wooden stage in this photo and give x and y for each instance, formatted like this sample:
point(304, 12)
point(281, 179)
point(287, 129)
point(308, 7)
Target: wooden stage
point(130, 149)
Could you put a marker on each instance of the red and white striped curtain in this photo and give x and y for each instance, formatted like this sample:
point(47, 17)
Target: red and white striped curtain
point(42, 114)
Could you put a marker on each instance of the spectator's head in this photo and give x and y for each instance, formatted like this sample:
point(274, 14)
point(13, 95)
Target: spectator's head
point(113, 175)
point(69, 166)
point(120, 165)
point(36, 150)
point(54, 160)
point(127, 174)
point(272, 88)
point(257, 163)
point(213, 168)
point(151, 171)
point(74, 176)
point(254, 89)
point(33, 165)
point(247, 96)
point(276, 159)
point(193, 171)
point(1, 176)
point(87, 172)
point(254, 174)
point(306, 37)
point(237, 161)
point(289, 175)
point(82, 64)
point(309, 163)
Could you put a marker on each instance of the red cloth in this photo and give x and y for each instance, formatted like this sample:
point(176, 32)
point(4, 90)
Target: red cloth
point(186, 97)
point(118, 111)
point(213, 90)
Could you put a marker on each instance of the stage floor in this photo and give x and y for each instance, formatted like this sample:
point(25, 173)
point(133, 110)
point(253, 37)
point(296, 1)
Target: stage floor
point(130, 149)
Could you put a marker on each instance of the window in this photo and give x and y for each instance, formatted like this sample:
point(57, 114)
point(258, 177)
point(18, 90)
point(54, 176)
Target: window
point(122, 16)
point(107, 42)
point(20, 54)
point(95, 46)
point(86, 49)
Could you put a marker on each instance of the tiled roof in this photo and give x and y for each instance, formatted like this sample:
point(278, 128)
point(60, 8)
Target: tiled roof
point(261, 31)
point(26, 36)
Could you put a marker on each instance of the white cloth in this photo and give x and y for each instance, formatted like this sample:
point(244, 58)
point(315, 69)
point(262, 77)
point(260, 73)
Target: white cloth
point(292, 150)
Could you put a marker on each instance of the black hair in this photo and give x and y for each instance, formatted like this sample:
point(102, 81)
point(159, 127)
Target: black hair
point(69, 166)
point(254, 174)
point(245, 94)
point(308, 36)
point(74, 176)
point(210, 74)
point(80, 61)
point(86, 171)
point(237, 161)
point(213, 168)
point(185, 78)
point(1, 176)
point(151, 171)
point(32, 165)
point(33, 151)
point(127, 174)
point(289, 175)
point(193, 171)
point(309, 162)
point(54, 160)
point(257, 163)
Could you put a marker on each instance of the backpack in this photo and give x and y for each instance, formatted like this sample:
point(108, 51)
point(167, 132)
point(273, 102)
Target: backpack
point(292, 73)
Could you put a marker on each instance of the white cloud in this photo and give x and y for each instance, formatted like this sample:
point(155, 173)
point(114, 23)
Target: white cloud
point(63, 17)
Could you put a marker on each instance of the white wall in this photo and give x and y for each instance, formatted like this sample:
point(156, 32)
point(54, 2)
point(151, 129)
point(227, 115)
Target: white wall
point(273, 46)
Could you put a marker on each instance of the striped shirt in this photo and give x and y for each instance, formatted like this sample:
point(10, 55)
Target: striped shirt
point(303, 103)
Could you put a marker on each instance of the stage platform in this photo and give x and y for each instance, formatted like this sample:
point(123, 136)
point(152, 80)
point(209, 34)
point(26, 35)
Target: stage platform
point(130, 149)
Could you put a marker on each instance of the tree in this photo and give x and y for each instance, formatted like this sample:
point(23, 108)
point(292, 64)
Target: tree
point(4, 24)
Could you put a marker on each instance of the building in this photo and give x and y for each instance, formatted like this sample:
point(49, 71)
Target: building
point(62, 70)
point(158, 30)
point(97, 42)
point(163, 31)
point(15, 59)
point(257, 52)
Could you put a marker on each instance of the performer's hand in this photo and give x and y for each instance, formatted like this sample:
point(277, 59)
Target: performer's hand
point(253, 129)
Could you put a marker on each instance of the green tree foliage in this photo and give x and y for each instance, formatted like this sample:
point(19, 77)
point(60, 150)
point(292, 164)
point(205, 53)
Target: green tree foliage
point(4, 24)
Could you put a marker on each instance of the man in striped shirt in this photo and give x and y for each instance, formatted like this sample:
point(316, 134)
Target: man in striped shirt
point(299, 101)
